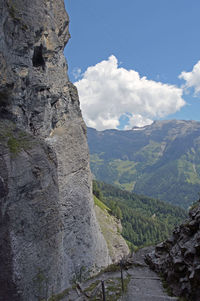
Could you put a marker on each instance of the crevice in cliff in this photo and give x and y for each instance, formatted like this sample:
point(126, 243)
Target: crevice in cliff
point(38, 60)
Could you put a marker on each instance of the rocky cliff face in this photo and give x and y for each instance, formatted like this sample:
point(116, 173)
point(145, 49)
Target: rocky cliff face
point(111, 229)
point(48, 229)
point(178, 258)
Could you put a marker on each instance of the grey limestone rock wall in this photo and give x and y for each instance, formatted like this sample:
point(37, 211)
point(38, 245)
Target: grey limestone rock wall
point(48, 229)
point(30, 221)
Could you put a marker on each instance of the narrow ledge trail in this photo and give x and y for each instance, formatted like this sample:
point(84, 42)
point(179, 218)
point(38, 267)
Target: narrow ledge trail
point(144, 285)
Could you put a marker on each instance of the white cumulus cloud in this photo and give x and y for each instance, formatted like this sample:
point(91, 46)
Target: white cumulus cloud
point(108, 91)
point(192, 78)
point(137, 120)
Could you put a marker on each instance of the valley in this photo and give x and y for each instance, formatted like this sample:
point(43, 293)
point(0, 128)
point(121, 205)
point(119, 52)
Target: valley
point(161, 160)
point(145, 221)
point(65, 232)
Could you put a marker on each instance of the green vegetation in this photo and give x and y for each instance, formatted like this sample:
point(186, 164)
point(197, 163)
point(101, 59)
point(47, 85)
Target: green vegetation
point(98, 194)
point(101, 204)
point(41, 284)
point(161, 161)
point(15, 14)
point(166, 286)
point(93, 290)
point(13, 138)
point(98, 197)
point(13, 145)
point(115, 209)
point(145, 220)
point(113, 289)
point(110, 227)
point(92, 286)
point(59, 296)
point(18, 142)
point(195, 205)
point(173, 181)
point(111, 268)
point(13, 11)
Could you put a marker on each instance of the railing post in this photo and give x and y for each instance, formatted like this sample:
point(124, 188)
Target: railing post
point(46, 290)
point(122, 278)
point(103, 290)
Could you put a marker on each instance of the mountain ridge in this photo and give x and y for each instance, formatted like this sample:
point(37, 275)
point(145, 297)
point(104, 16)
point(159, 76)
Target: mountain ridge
point(161, 160)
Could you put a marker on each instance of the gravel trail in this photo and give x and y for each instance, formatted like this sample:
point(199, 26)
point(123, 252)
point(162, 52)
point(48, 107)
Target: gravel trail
point(145, 285)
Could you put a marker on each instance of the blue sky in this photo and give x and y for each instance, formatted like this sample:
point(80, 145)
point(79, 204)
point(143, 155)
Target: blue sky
point(126, 58)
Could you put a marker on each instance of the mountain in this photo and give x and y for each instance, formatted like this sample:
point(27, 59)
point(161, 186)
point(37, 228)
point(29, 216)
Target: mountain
point(144, 220)
point(161, 160)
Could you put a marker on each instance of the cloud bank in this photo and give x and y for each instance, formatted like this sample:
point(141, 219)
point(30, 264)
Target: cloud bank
point(192, 78)
point(108, 92)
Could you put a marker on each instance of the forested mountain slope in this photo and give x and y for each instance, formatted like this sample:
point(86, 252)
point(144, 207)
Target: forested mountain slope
point(161, 160)
point(144, 220)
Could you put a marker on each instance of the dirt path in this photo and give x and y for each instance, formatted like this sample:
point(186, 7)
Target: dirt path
point(145, 285)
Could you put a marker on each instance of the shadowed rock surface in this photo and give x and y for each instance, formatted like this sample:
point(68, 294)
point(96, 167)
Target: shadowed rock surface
point(178, 258)
point(31, 222)
point(48, 229)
